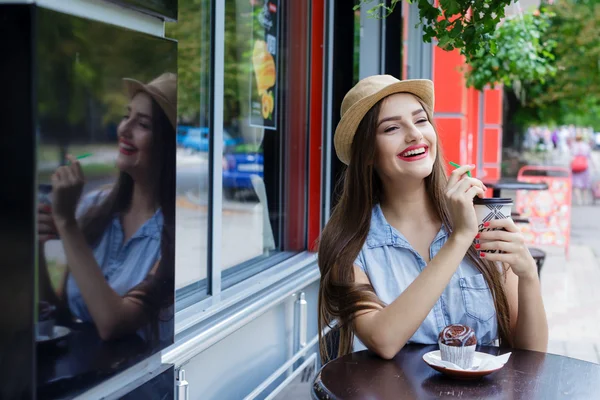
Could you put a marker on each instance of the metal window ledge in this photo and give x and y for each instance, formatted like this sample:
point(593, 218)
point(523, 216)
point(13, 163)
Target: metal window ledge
point(193, 315)
point(311, 359)
point(197, 338)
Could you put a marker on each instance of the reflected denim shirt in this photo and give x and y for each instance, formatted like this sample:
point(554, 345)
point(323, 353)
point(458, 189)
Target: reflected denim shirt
point(124, 265)
point(392, 265)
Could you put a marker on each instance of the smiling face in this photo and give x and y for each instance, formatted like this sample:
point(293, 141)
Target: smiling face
point(405, 141)
point(135, 136)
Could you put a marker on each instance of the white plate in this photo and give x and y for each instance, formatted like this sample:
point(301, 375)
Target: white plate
point(473, 373)
point(60, 332)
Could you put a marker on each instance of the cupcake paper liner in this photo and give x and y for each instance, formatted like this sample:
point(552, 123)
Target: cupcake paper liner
point(459, 355)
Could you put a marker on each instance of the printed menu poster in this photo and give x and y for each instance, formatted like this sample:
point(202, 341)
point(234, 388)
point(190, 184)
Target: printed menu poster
point(263, 82)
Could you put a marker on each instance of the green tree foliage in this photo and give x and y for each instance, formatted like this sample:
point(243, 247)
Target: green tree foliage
point(467, 25)
point(572, 95)
point(192, 31)
point(81, 69)
point(522, 54)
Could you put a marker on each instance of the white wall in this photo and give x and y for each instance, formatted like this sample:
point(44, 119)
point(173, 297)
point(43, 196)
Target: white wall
point(233, 367)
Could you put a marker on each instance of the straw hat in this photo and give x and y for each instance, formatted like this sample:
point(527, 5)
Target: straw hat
point(163, 90)
point(364, 95)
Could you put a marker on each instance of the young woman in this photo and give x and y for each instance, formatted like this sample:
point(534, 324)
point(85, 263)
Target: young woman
point(399, 258)
point(119, 243)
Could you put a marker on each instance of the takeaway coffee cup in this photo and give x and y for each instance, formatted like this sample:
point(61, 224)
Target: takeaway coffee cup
point(46, 321)
point(45, 194)
point(489, 209)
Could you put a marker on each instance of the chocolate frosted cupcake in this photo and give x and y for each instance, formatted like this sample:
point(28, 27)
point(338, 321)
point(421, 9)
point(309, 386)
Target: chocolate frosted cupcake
point(457, 345)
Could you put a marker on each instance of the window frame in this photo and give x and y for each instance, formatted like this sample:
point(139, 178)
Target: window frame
point(222, 288)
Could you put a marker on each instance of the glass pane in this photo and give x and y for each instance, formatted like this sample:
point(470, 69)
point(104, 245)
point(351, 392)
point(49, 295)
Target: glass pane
point(356, 53)
point(193, 35)
point(257, 140)
point(106, 96)
point(245, 227)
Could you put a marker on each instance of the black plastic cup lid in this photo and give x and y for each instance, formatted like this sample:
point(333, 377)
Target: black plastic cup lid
point(491, 200)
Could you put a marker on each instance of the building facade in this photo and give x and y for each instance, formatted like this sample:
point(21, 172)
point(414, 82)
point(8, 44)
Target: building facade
point(259, 89)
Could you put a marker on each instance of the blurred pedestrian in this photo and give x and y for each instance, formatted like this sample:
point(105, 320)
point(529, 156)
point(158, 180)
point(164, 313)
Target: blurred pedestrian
point(581, 161)
point(555, 138)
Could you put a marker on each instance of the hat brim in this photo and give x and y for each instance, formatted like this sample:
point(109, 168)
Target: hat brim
point(133, 87)
point(346, 129)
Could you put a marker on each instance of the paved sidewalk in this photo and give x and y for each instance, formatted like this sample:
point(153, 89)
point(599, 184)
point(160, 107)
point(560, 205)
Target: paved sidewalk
point(570, 290)
point(570, 284)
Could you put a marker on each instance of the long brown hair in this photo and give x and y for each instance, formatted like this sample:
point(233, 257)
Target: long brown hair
point(346, 231)
point(156, 291)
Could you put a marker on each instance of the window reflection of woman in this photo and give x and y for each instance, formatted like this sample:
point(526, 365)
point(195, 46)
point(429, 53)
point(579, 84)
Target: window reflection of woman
point(120, 252)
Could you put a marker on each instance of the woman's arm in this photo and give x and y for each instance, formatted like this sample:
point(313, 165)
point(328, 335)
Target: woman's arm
point(46, 232)
point(113, 315)
point(46, 291)
point(385, 331)
point(522, 285)
point(527, 315)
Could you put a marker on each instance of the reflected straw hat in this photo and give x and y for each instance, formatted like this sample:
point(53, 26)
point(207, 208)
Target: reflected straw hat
point(163, 90)
point(364, 95)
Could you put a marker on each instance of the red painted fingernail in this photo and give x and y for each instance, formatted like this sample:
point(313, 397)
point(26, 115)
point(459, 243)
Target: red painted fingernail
point(478, 235)
point(477, 246)
point(482, 255)
point(486, 224)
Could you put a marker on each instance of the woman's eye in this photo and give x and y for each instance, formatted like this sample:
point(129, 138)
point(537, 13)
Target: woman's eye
point(145, 126)
point(390, 129)
point(422, 120)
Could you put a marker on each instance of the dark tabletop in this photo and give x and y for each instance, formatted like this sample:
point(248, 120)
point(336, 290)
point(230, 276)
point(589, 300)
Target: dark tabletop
point(527, 375)
point(513, 184)
point(82, 360)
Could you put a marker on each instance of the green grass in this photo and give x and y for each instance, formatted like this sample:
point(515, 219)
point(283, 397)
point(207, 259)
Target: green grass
point(51, 152)
point(91, 172)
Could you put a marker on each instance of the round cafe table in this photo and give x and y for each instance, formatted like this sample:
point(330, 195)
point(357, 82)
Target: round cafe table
point(527, 375)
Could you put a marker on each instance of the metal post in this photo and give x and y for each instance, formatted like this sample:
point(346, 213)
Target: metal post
point(302, 320)
point(182, 385)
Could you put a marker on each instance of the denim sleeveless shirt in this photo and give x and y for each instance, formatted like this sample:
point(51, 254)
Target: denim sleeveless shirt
point(391, 265)
point(124, 265)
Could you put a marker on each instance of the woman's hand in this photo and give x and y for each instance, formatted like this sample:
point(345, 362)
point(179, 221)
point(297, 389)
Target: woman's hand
point(45, 224)
point(67, 185)
point(509, 245)
point(460, 192)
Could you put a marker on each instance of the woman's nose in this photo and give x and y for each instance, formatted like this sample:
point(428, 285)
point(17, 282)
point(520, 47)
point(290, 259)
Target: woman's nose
point(124, 128)
point(413, 134)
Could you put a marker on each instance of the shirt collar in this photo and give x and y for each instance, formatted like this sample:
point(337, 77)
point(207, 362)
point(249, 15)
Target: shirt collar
point(151, 228)
point(381, 233)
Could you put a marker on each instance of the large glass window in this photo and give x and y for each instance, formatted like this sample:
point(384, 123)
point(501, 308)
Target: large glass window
point(260, 127)
point(194, 59)
point(106, 126)
point(262, 204)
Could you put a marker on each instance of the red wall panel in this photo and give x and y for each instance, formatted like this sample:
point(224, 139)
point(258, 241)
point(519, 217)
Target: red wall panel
point(491, 174)
point(473, 127)
point(449, 81)
point(491, 145)
point(493, 106)
point(295, 123)
point(316, 124)
point(451, 134)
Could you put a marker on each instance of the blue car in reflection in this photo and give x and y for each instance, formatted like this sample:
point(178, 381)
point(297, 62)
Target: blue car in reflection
point(238, 169)
point(196, 139)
